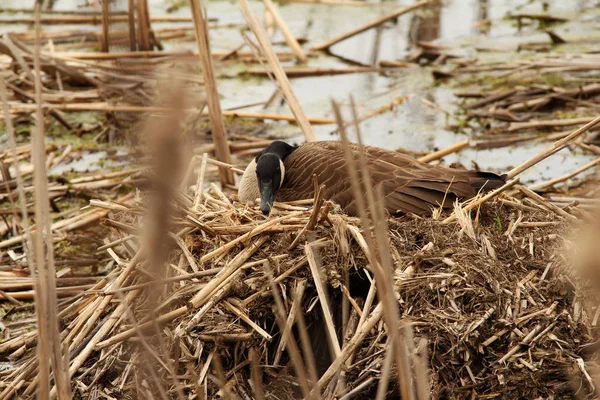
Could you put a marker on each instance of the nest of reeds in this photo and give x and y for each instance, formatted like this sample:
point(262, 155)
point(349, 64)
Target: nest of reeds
point(239, 310)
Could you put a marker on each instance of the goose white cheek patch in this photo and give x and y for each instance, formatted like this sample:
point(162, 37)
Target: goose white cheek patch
point(248, 190)
point(282, 167)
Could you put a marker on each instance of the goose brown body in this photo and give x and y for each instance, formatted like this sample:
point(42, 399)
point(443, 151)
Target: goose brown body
point(408, 185)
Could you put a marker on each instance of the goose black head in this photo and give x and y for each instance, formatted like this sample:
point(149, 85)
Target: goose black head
point(270, 172)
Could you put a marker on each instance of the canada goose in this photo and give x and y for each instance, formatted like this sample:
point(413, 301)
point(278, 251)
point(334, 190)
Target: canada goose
point(284, 173)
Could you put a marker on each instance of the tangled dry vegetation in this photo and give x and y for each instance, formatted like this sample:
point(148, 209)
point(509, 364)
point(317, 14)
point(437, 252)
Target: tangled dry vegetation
point(486, 306)
point(197, 296)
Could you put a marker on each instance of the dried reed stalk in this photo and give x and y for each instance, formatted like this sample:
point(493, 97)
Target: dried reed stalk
point(90, 20)
point(128, 108)
point(546, 204)
point(476, 202)
point(282, 80)
point(68, 224)
point(384, 274)
point(219, 134)
point(256, 374)
point(105, 42)
point(517, 126)
point(559, 179)
point(19, 178)
point(49, 343)
point(166, 151)
point(444, 152)
point(361, 333)
point(248, 56)
point(296, 303)
point(290, 343)
point(322, 293)
point(555, 147)
point(287, 34)
point(373, 222)
point(369, 25)
point(297, 72)
point(131, 24)
point(143, 26)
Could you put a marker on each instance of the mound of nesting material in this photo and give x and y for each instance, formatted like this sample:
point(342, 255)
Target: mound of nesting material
point(491, 312)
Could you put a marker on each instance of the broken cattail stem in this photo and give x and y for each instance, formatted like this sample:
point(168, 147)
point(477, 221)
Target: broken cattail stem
point(314, 216)
point(200, 183)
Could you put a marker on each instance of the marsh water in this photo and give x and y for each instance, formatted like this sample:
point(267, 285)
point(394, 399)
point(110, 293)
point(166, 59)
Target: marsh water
point(413, 124)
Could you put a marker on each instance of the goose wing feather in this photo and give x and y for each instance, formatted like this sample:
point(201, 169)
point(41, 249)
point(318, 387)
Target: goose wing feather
point(408, 185)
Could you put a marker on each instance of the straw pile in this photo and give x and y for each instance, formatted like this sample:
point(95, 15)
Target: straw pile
point(485, 305)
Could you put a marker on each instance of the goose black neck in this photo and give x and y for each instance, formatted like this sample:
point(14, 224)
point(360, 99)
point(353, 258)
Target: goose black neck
point(279, 148)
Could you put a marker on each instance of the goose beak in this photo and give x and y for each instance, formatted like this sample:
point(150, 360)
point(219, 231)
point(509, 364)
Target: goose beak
point(267, 196)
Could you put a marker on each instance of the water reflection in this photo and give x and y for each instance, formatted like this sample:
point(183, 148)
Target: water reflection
point(482, 17)
point(425, 26)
